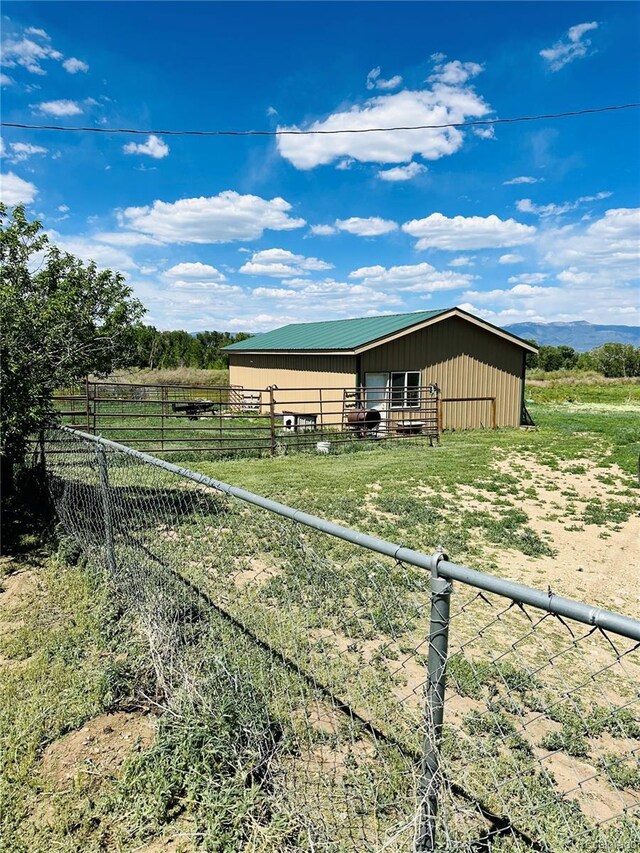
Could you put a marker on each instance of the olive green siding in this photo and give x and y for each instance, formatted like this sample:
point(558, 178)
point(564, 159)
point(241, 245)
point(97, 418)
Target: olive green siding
point(466, 361)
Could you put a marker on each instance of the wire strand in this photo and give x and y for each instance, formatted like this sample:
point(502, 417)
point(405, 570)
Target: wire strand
point(478, 123)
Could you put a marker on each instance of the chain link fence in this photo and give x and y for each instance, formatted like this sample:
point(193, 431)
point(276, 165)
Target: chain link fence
point(380, 699)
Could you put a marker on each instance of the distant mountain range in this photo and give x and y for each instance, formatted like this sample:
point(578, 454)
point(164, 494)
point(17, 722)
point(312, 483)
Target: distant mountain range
point(581, 336)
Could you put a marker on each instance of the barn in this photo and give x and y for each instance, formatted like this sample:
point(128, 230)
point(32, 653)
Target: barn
point(392, 363)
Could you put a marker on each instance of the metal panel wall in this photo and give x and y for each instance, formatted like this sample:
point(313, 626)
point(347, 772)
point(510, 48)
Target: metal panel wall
point(465, 361)
point(293, 372)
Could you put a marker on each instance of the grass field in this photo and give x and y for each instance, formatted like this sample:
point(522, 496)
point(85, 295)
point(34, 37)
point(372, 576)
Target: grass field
point(170, 376)
point(553, 507)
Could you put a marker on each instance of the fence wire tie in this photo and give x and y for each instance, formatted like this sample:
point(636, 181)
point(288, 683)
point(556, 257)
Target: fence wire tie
point(482, 597)
point(576, 639)
point(523, 608)
point(610, 641)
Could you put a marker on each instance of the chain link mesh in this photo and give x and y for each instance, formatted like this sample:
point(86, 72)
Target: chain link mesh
point(319, 649)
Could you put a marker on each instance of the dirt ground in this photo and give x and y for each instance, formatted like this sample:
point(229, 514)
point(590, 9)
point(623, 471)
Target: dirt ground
point(16, 585)
point(599, 564)
point(99, 748)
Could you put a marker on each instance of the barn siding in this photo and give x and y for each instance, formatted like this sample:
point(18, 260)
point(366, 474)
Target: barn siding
point(465, 361)
point(295, 373)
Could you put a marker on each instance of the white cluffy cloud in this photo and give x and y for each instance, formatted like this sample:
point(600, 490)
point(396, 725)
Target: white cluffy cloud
point(454, 73)
point(33, 48)
point(468, 232)
point(17, 152)
point(15, 190)
point(193, 275)
point(573, 46)
point(610, 246)
point(525, 205)
point(447, 101)
point(73, 65)
point(59, 108)
point(413, 278)
point(528, 278)
point(375, 81)
point(596, 273)
point(280, 263)
point(322, 230)
point(402, 173)
point(28, 53)
point(5, 80)
point(510, 259)
point(309, 299)
point(88, 250)
point(129, 239)
point(523, 179)
point(223, 218)
point(369, 226)
point(195, 271)
point(208, 285)
point(153, 147)
point(492, 296)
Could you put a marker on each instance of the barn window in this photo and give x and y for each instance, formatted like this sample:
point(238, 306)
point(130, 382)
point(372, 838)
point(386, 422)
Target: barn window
point(405, 389)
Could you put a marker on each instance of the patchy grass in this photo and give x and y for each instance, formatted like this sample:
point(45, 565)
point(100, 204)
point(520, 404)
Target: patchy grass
point(419, 495)
point(247, 751)
point(61, 666)
point(72, 660)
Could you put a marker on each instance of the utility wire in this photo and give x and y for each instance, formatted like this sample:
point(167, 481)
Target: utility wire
point(479, 123)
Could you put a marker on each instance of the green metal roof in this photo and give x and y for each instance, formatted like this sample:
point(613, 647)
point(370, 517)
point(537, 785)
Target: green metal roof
point(334, 334)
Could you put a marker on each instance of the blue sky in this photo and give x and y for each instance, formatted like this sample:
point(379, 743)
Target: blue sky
point(533, 221)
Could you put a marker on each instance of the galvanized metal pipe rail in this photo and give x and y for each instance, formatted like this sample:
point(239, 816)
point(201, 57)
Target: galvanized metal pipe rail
point(597, 617)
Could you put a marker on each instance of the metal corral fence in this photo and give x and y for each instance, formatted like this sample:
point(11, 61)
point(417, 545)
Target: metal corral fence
point(233, 420)
point(335, 648)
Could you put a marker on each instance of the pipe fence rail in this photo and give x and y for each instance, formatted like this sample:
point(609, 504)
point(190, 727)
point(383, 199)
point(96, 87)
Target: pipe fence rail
point(233, 420)
point(387, 700)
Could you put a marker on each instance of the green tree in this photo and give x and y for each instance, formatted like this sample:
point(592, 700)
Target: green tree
point(617, 360)
point(586, 362)
point(557, 358)
point(532, 358)
point(61, 319)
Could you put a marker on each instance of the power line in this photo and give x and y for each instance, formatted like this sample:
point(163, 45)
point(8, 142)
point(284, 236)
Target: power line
point(479, 123)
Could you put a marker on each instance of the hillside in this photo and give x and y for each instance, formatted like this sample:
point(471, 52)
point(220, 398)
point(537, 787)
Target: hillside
point(580, 335)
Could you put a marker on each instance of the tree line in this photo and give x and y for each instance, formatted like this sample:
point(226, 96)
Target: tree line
point(153, 349)
point(613, 360)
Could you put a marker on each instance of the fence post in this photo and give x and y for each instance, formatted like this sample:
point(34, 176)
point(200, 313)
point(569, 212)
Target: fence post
point(434, 707)
point(88, 404)
point(163, 404)
point(272, 419)
point(106, 508)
